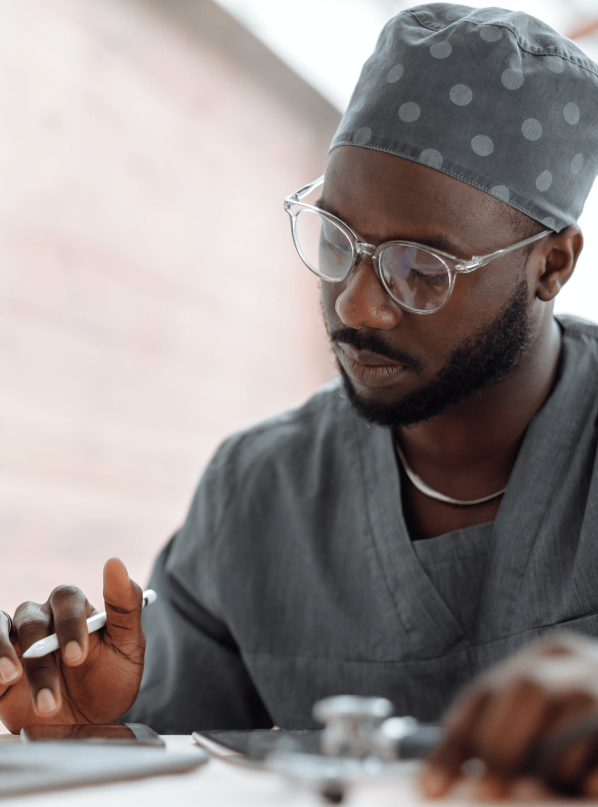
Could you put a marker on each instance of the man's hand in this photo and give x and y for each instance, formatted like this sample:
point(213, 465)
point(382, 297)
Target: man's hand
point(93, 678)
point(521, 719)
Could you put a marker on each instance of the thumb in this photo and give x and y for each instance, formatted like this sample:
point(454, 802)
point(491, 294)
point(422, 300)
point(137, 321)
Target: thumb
point(123, 599)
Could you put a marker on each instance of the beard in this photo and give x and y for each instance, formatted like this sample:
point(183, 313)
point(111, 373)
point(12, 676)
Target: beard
point(487, 355)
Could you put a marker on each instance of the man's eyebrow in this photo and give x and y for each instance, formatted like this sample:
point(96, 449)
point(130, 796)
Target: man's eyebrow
point(439, 242)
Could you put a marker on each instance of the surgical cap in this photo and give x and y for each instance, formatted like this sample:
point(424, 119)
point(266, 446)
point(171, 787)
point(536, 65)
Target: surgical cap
point(492, 97)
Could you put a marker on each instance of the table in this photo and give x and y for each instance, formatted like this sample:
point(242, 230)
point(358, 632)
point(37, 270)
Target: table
point(216, 783)
point(219, 784)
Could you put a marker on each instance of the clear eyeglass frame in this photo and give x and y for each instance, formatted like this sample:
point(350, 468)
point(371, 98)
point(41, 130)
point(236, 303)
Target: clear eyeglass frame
point(360, 249)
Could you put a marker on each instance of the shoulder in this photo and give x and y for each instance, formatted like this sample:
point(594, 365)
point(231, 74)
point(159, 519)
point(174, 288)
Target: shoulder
point(289, 438)
point(579, 330)
point(256, 475)
point(287, 452)
point(579, 360)
point(580, 349)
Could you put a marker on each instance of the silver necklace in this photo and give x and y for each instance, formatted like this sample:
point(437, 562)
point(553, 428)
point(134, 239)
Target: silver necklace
point(419, 483)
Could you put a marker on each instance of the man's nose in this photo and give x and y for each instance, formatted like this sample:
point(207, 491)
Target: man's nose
point(363, 301)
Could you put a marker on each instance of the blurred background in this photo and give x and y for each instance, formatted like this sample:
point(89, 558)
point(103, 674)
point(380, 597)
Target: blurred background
point(150, 298)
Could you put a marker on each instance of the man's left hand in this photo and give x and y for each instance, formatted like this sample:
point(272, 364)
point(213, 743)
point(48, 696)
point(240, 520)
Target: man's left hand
point(521, 719)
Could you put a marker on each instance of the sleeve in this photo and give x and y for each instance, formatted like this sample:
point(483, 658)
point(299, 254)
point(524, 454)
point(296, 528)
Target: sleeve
point(194, 677)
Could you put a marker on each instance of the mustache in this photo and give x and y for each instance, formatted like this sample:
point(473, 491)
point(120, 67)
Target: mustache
point(372, 341)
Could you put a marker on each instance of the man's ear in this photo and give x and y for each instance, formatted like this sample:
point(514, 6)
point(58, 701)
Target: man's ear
point(559, 255)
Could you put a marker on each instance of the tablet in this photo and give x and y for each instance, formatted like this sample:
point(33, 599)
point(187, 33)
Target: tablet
point(41, 766)
point(256, 744)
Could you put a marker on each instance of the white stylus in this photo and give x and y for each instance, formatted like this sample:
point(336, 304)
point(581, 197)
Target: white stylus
point(95, 622)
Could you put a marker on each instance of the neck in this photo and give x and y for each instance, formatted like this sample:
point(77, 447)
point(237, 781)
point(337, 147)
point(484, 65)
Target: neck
point(471, 449)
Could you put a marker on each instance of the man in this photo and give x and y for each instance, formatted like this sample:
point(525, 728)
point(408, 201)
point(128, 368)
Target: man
point(404, 530)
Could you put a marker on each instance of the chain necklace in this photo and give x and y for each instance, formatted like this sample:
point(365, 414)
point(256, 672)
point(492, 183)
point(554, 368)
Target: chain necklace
point(419, 483)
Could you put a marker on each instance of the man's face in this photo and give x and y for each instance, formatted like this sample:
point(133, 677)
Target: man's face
point(401, 367)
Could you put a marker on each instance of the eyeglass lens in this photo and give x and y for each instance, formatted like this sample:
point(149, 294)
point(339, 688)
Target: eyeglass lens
point(411, 275)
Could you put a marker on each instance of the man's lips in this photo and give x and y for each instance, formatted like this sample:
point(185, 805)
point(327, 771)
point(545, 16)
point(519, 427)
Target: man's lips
point(367, 368)
point(367, 357)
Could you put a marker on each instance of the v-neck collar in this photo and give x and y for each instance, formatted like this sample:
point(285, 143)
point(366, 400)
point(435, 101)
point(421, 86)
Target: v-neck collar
point(428, 624)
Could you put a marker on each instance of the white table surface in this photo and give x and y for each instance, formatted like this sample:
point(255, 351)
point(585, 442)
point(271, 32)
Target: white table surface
point(216, 783)
point(224, 785)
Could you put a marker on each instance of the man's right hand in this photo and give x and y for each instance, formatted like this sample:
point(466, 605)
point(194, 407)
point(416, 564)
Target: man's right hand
point(93, 678)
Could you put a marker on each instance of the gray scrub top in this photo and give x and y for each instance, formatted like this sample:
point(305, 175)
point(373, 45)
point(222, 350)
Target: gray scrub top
point(294, 577)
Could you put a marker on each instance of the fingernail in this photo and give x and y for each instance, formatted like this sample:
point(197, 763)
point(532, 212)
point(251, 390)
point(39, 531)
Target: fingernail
point(72, 651)
point(492, 788)
point(45, 701)
point(591, 786)
point(434, 782)
point(8, 670)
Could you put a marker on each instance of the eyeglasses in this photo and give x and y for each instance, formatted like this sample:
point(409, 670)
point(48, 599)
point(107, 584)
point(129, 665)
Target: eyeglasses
point(419, 279)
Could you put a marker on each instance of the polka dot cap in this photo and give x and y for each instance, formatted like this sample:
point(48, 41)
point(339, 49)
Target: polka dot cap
point(492, 97)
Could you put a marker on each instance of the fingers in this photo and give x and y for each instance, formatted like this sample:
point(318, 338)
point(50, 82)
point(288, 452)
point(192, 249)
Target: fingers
point(570, 769)
point(509, 726)
point(501, 728)
point(507, 720)
point(34, 622)
point(569, 752)
point(123, 599)
point(590, 786)
point(10, 666)
point(70, 609)
point(65, 684)
point(64, 613)
point(446, 760)
point(504, 729)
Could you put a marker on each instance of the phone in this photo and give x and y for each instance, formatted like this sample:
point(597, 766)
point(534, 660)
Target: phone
point(112, 734)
